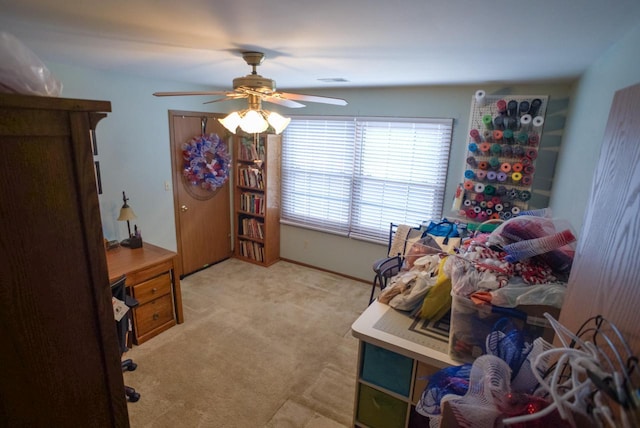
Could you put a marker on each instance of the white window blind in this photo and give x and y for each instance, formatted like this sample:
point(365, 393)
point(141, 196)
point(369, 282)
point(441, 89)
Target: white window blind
point(353, 176)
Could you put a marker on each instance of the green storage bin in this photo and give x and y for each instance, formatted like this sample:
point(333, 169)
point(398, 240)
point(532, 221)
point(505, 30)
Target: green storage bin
point(379, 410)
point(386, 369)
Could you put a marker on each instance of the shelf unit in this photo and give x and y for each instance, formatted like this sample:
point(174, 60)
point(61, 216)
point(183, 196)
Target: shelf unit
point(257, 198)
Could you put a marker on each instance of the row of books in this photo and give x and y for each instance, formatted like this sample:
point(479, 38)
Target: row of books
point(252, 203)
point(252, 228)
point(250, 177)
point(249, 152)
point(252, 250)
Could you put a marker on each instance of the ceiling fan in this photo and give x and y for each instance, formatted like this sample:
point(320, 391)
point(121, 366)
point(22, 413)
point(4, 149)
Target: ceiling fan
point(256, 86)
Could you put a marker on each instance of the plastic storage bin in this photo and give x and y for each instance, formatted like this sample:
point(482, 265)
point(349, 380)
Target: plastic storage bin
point(471, 323)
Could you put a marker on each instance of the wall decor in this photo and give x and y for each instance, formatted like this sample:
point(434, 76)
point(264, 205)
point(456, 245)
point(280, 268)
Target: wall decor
point(502, 147)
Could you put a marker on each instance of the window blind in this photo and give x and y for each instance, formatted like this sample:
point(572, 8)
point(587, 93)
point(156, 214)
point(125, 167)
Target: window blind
point(353, 176)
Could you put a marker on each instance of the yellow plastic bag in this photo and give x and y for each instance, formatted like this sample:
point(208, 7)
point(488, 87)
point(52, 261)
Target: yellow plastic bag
point(437, 302)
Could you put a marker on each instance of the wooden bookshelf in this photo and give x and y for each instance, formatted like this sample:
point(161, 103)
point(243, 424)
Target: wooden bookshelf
point(257, 198)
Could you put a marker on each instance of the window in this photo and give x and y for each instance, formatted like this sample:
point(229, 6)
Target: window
point(354, 176)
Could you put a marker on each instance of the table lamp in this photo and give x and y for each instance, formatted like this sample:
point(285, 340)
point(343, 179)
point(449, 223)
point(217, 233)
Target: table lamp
point(127, 214)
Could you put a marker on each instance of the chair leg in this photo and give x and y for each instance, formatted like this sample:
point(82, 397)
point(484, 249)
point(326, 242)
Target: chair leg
point(373, 287)
point(132, 395)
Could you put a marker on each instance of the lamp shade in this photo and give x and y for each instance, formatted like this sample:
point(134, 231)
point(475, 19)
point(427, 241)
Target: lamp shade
point(231, 122)
point(252, 122)
point(126, 213)
point(278, 122)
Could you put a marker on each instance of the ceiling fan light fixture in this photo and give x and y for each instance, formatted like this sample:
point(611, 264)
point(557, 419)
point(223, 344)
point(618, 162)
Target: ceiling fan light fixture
point(278, 122)
point(252, 122)
point(231, 122)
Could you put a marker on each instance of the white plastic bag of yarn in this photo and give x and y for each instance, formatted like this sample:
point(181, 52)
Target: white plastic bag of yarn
point(22, 72)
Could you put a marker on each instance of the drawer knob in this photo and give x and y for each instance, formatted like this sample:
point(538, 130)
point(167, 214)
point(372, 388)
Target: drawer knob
point(153, 290)
point(184, 208)
point(156, 316)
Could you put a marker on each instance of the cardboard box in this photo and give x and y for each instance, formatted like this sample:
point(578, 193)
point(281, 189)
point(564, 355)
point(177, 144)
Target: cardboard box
point(471, 323)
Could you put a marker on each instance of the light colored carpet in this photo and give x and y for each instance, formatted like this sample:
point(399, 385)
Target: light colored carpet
point(260, 347)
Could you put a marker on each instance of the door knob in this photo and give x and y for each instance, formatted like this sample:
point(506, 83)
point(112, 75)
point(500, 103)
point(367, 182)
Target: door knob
point(184, 208)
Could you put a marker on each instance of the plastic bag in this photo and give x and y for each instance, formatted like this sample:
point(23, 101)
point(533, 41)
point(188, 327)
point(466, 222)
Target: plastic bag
point(22, 72)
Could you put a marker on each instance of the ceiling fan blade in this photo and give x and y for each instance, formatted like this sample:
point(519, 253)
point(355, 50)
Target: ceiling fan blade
point(173, 94)
point(314, 99)
point(221, 99)
point(275, 99)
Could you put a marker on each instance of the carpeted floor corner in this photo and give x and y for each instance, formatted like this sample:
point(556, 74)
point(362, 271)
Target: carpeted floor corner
point(260, 347)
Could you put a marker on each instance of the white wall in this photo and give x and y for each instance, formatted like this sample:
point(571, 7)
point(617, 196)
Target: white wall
point(618, 68)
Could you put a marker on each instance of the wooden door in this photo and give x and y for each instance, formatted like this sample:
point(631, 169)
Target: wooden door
point(203, 217)
point(604, 277)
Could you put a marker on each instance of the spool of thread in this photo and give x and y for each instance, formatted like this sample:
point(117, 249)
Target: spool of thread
point(505, 167)
point(481, 98)
point(532, 154)
point(511, 123)
point(477, 210)
point(498, 207)
point(468, 185)
point(517, 167)
point(483, 165)
point(475, 135)
point(482, 216)
point(522, 138)
point(478, 188)
point(529, 169)
point(525, 161)
point(470, 213)
point(491, 175)
point(487, 120)
point(498, 123)
point(485, 147)
point(527, 180)
point(513, 194)
point(518, 151)
point(502, 107)
point(473, 147)
point(467, 203)
point(501, 191)
point(501, 177)
point(490, 204)
point(495, 216)
point(462, 213)
point(483, 204)
point(489, 211)
point(525, 122)
point(534, 140)
point(508, 136)
point(507, 151)
point(512, 108)
point(506, 205)
point(516, 176)
point(479, 197)
point(537, 123)
point(496, 200)
point(471, 161)
point(489, 190)
point(481, 175)
point(523, 108)
point(506, 215)
point(535, 107)
point(497, 136)
point(487, 135)
point(515, 210)
point(494, 163)
point(469, 174)
point(496, 149)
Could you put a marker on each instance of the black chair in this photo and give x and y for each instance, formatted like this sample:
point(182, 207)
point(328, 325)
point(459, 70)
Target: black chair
point(119, 291)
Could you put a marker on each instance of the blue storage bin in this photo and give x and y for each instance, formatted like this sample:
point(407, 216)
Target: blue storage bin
point(387, 369)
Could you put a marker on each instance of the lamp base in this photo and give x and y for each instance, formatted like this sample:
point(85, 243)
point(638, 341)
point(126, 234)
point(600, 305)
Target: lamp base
point(132, 242)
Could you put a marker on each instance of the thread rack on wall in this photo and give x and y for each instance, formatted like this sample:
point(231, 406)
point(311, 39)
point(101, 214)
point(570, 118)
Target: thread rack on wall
point(503, 141)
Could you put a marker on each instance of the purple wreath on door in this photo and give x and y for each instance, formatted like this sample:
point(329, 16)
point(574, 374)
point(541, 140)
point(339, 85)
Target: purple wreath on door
point(206, 161)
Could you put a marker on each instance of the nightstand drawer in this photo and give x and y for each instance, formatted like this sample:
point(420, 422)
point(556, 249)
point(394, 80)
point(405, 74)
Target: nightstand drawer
point(153, 288)
point(153, 315)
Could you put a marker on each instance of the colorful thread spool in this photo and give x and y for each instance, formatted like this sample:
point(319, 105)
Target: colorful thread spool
point(498, 123)
point(477, 210)
point(497, 207)
point(506, 205)
point(534, 140)
point(516, 176)
point(489, 190)
point(515, 210)
point(497, 136)
point(502, 106)
point(525, 195)
point(529, 169)
point(511, 123)
point(482, 216)
point(491, 175)
point(487, 135)
point(518, 151)
point(501, 191)
point(490, 204)
point(537, 123)
point(471, 161)
point(513, 194)
point(527, 180)
point(532, 154)
point(473, 147)
point(470, 213)
point(505, 167)
point(475, 135)
point(516, 167)
point(535, 107)
point(485, 147)
point(481, 174)
point(525, 122)
point(496, 149)
point(508, 136)
point(468, 185)
point(495, 216)
point(487, 120)
point(525, 161)
point(489, 211)
point(494, 163)
point(483, 165)
point(467, 202)
point(523, 108)
point(496, 200)
point(479, 197)
point(522, 138)
point(512, 108)
point(483, 204)
point(506, 215)
point(501, 177)
point(469, 174)
point(478, 188)
point(507, 151)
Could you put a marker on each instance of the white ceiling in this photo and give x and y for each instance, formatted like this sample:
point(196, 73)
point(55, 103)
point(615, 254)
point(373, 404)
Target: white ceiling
point(366, 42)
